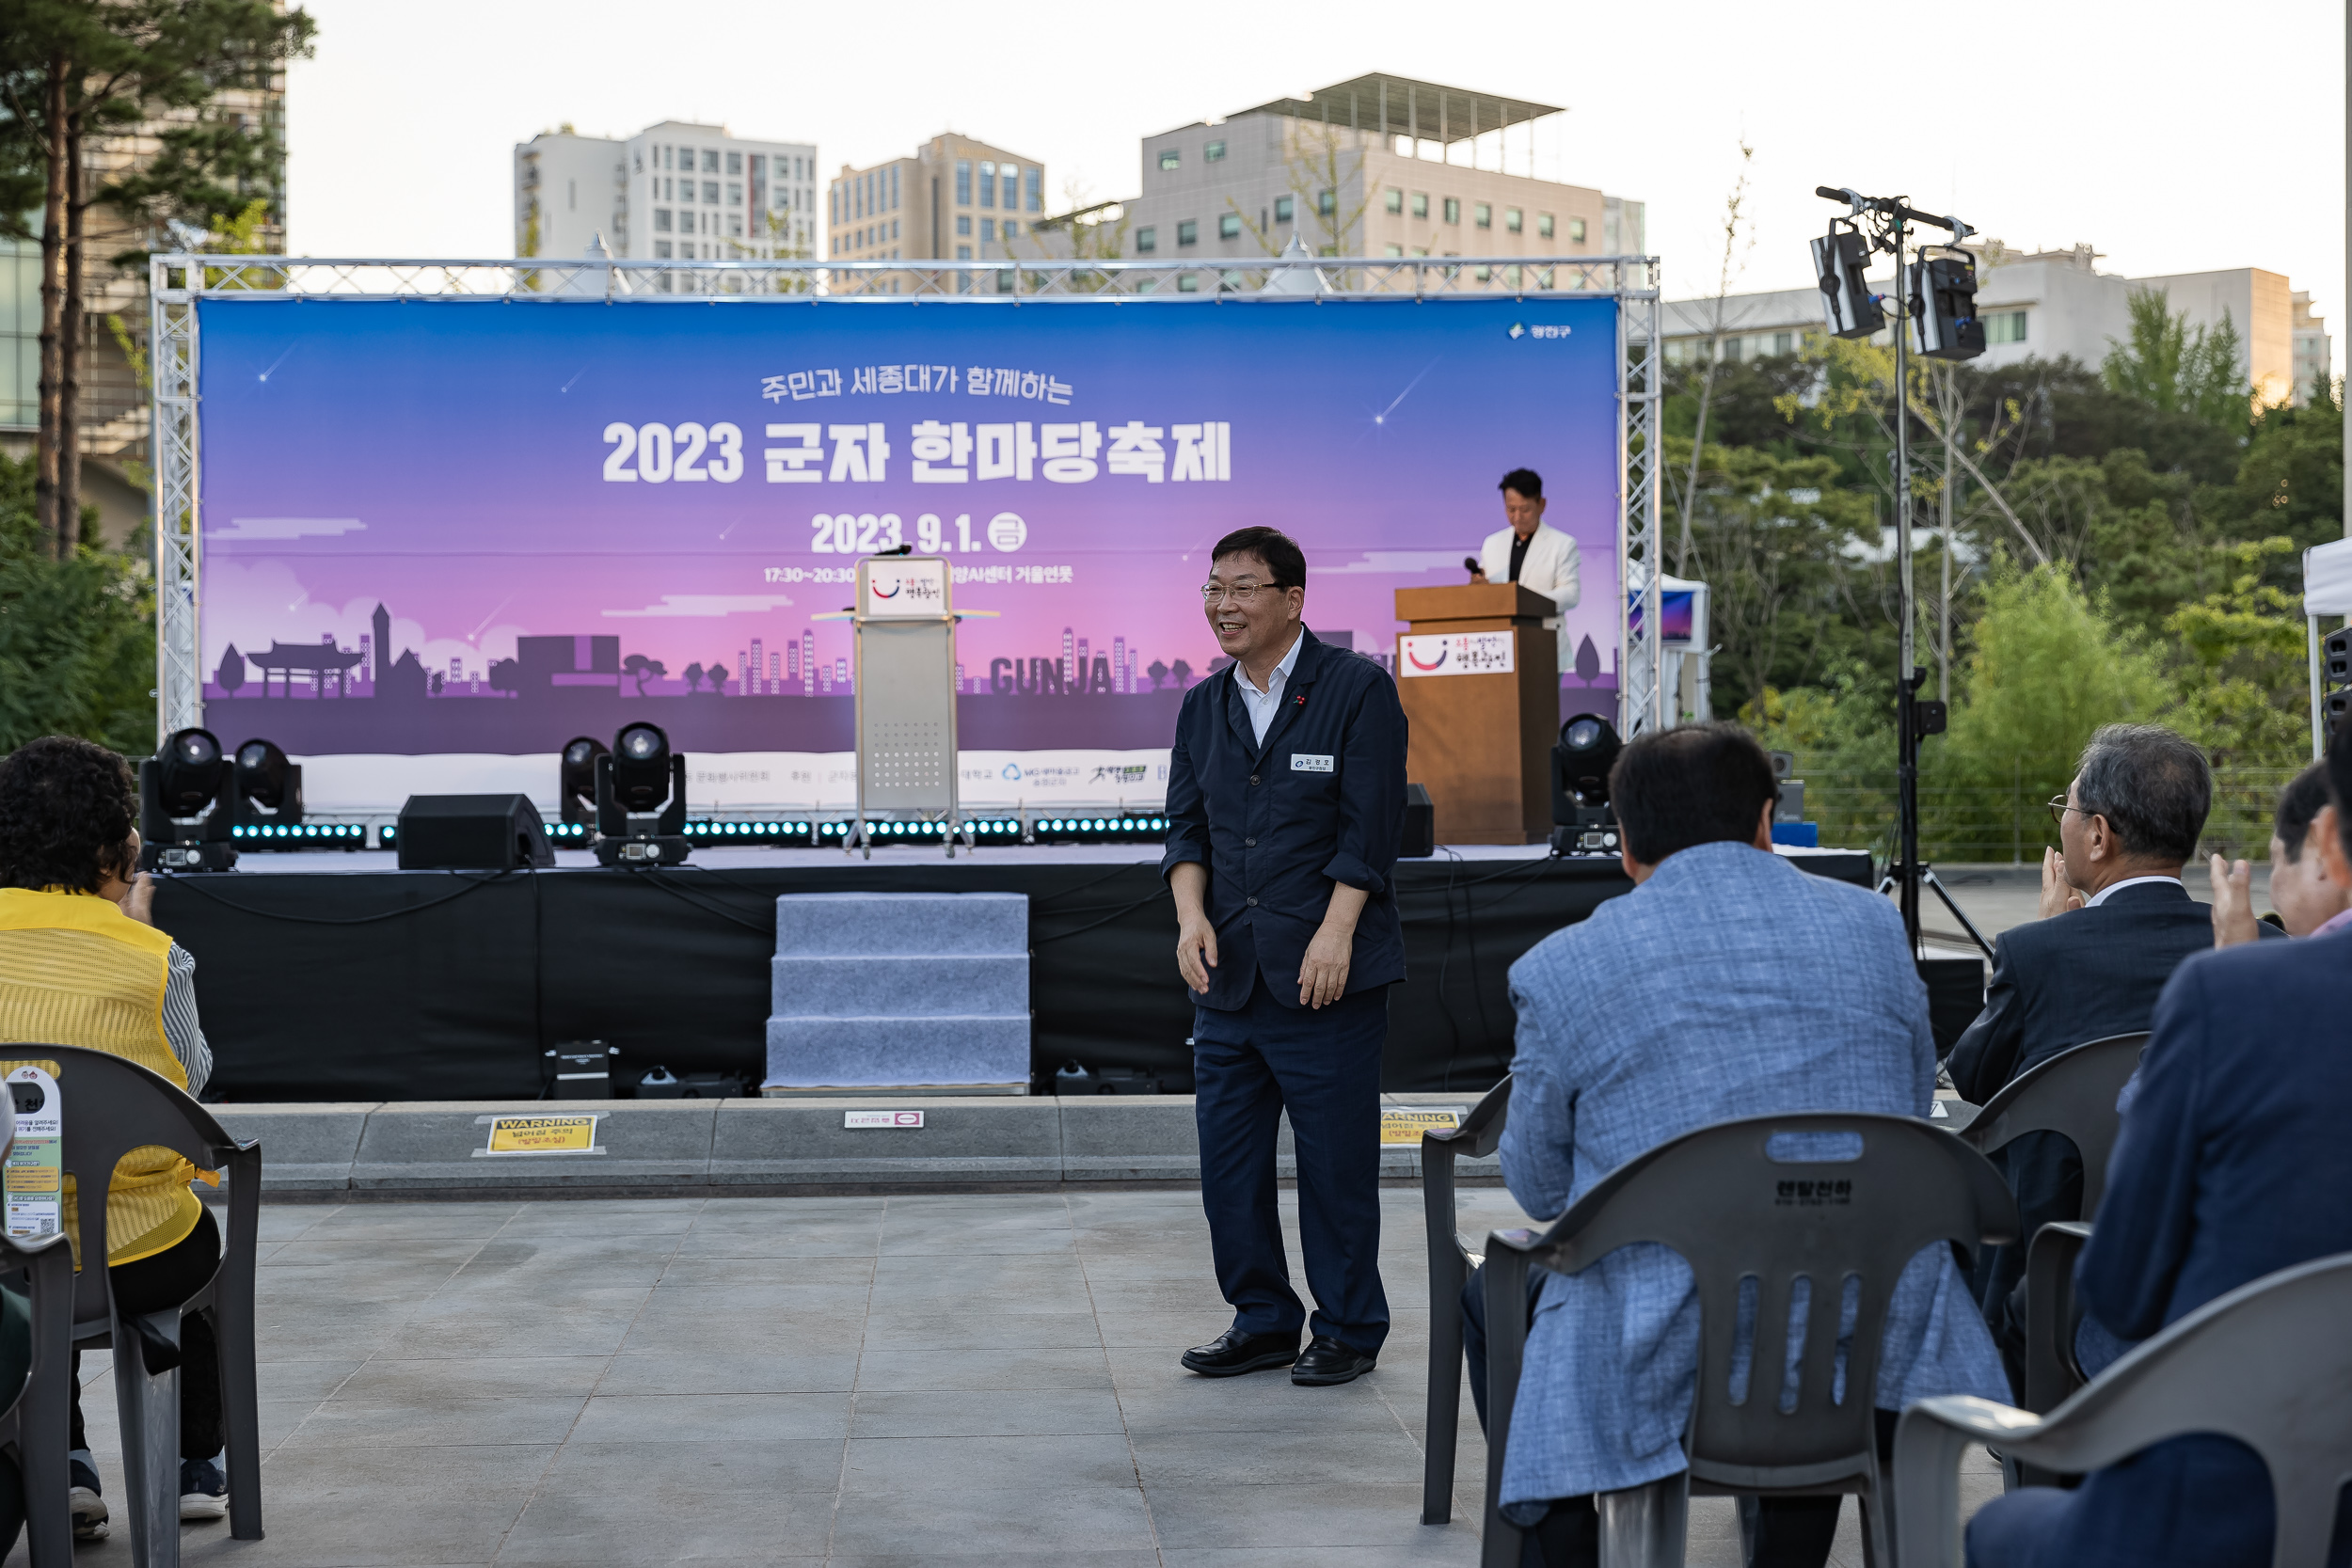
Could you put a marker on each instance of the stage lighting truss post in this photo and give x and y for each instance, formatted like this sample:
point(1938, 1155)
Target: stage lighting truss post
point(172, 357)
point(1641, 528)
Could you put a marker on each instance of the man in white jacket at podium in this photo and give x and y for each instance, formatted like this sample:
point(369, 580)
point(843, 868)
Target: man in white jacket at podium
point(1525, 551)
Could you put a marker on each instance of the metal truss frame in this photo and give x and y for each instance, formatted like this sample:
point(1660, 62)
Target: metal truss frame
point(179, 281)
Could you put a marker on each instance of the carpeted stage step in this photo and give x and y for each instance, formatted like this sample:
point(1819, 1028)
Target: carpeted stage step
point(875, 991)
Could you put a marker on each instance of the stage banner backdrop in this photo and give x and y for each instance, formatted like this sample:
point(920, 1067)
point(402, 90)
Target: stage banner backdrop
point(441, 537)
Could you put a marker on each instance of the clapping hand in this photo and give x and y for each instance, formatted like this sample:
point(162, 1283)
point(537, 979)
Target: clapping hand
point(2233, 919)
point(2057, 894)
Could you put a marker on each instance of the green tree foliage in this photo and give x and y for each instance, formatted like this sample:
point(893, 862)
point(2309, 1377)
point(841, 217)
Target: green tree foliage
point(2176, 369)
point(1782, 548)
point(77, 640)
point(2290, 480)
point(143, 75)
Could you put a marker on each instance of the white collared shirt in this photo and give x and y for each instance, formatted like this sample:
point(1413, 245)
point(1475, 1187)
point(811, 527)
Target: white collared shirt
point(2101, 896)
point(1264, 705)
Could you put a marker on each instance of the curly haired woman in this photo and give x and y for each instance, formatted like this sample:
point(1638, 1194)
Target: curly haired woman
point(82, 964)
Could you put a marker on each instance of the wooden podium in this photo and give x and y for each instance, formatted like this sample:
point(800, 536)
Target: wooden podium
point(1479, 675)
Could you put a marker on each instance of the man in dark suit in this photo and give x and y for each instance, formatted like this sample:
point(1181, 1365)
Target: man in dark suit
point(2117, 922)
point(1286, 809)
point(2233, 1164)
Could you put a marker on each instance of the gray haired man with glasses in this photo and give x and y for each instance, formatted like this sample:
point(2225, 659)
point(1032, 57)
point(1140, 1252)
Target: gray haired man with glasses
point(2116, 922)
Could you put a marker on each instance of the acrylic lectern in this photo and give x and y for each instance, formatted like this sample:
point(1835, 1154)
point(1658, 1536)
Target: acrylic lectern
point(1479, 676)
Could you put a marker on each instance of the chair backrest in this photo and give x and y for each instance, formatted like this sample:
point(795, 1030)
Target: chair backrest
point(1836, 1203)
point(113, 1107)
point(2269, 1364)
point(1482, 1129)
point(2072, 1094)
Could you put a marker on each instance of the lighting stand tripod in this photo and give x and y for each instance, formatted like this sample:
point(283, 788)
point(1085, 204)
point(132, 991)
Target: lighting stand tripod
point(1915, 719)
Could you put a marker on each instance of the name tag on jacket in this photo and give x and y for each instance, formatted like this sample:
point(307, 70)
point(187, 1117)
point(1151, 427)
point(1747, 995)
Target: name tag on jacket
point(1307, 762)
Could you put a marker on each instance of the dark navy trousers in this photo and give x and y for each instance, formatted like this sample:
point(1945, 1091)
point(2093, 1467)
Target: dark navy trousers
point(1249, 1065)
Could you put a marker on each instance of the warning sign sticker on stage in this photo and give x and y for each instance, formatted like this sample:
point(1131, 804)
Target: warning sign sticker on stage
point(1404, 1124)
point(1462, 653)
point(881, 1118)
point(541, 1135)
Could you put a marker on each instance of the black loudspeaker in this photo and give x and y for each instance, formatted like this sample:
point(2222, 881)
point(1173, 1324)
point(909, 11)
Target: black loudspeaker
point(1420, 824)
point(1955, 997)
point(471, 832)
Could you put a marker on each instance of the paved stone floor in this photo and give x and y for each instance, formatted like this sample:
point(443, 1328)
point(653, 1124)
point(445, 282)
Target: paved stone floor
point(867, 1381)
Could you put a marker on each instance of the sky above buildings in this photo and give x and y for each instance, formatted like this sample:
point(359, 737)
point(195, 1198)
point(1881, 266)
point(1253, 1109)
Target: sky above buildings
point(2172, 137)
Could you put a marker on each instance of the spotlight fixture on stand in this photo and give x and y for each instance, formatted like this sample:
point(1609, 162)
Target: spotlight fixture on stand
point(1839, 259)
point(1945, 314)
point(269, 787)
point(1942, 289)
point(1584, 822)
point(576, 785)
point(187, 806)
point(641, 800)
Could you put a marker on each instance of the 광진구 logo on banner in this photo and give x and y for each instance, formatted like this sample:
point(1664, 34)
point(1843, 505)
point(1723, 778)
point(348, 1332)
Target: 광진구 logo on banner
point(1463, 652)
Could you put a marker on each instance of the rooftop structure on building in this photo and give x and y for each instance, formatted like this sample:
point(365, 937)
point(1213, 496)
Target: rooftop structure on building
point(1379, 165)
point(2049, 305)
point(955, 199)
point(677, 191)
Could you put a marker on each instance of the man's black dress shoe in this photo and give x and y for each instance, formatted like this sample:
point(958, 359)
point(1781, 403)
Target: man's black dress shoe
point(1328, 1361)
point(1232, 1352)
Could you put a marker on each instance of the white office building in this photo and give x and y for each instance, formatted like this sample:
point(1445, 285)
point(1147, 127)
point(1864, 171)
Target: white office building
point(674, 191)
point(1381, 166)
point(2049, 305)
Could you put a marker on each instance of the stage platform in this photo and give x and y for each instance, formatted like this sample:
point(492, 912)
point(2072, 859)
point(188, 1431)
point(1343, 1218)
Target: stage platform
point(337, 978)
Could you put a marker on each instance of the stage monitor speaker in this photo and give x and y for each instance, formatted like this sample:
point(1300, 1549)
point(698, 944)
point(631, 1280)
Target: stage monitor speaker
point(1420, 824)
point(1955, 997)
point(471, 832)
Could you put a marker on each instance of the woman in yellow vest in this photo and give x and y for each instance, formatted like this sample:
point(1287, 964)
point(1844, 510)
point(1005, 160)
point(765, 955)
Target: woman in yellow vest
point(81, 963)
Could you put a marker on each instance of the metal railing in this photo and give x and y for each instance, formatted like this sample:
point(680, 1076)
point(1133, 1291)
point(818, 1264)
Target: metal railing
point(1992, 822)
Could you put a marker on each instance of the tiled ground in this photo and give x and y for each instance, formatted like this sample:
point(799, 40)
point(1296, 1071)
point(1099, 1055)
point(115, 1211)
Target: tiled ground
point(987, 1378)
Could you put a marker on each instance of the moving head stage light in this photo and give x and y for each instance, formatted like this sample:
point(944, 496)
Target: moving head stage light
point(188, 803)
point(641, 800)
point(576, 785)
point(269, 787)
point(1584, 822)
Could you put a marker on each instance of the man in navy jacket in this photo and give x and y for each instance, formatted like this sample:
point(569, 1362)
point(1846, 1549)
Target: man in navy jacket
point(1286, 809)
point(2232, 1164)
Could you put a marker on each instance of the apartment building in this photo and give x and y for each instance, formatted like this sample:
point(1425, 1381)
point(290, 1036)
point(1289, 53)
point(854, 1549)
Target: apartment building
point(676, 191)
point(2049, 305)
point(1381, 166)
point(956, 200)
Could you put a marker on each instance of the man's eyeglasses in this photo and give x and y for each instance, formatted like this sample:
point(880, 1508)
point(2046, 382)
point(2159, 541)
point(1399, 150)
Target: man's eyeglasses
point(2059, 808)
point(1240, 592)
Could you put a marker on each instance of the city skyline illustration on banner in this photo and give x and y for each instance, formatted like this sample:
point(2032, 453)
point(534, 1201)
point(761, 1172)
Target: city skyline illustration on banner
point(473, 526)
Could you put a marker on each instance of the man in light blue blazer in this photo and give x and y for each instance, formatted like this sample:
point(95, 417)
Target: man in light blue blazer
point(1727, 984)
